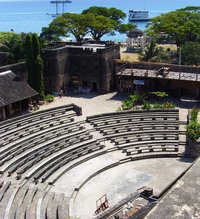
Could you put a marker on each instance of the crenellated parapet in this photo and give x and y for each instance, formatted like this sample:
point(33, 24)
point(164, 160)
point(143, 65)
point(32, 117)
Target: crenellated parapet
point(86, 65)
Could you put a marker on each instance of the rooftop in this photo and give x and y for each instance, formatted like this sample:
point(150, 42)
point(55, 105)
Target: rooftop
point(160, 73)
point(13, 89)
point(93, 46)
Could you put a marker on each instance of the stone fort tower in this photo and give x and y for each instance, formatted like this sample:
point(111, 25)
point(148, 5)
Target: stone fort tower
point(80, 67)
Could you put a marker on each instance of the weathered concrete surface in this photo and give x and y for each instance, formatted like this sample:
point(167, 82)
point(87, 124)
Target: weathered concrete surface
point(123, 180)
point(183, 200)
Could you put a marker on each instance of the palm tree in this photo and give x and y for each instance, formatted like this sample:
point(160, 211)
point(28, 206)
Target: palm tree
point(151, 51)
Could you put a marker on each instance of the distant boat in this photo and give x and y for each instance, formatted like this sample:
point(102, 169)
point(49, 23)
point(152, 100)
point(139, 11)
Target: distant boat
point(139, 15)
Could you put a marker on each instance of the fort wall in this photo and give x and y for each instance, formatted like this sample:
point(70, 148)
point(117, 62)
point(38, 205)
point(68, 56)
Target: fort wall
point(90, 65)
point(18, 68)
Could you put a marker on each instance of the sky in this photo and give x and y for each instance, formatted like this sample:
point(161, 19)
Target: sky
point(21, 0)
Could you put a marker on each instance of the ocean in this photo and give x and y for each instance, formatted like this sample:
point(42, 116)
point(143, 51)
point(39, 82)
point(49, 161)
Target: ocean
point(30, 16)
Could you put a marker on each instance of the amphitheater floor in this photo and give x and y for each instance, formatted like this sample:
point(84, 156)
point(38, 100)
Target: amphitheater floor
point(91, 103)
point(119, 181)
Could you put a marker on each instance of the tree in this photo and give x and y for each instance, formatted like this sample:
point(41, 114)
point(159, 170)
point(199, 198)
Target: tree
point(68, 23)
point(99, 25)
point(34, 64)
point(115, 15)
point(96, 21)
point(150, 51)
point(107, 21)
point(35, 46)
point(51, 34)
point(12, 45)
point(40, 78)
point(191, 53)
point(29, 59)
point(181, 25)
point(191, 9)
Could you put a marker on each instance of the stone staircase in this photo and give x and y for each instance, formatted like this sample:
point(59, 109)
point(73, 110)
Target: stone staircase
point(183, 141)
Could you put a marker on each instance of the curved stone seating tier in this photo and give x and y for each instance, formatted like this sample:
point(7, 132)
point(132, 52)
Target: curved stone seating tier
point(41, 147)
point(3, 188)
point(34, 117)
point(126, 129)
point(149, 146)
point(139, 123)
point(152, 148)
point(140, 132)
point(58, 160)
point(146, 136)
point(42, 150)
point(28, 129)
point(31, 128)
point(19, 147)
point(31, 202)
point(107, 117)
point(117, 138)
point(132, 119)
point(78, 161)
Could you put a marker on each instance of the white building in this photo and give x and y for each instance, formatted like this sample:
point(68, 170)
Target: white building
point(136, 41)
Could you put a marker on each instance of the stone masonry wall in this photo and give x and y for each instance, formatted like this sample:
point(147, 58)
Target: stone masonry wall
point(92, 65)
point(18, 68)
point(195, 149)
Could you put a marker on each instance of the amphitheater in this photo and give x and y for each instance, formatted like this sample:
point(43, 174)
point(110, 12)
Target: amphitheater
point(57, 162)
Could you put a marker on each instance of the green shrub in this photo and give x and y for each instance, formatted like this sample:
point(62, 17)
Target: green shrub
point(138, 98)
point(194, 113)
point(126, 105)
point(146, 106)
point(168, 105)
point(159, 94)
point(157, 106)
point(193, 130)
point(49, 98)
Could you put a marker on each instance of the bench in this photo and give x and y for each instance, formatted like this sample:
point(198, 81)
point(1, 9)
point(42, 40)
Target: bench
point(59, 155)
point(46, 147)
point(152, 148)
point(138, 144)
point(27, 199)
point(75, 155)
point(32, 142)
point(44, 134)
point(127, 129)
point(32, 129)
point(4, 188)
point(31, 119)
point(146, 137)
point(132, 119)
point(130, 113)
point(36, 115)
point(135, 123)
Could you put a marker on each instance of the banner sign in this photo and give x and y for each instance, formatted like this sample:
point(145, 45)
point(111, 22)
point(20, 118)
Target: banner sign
point(138, 82)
